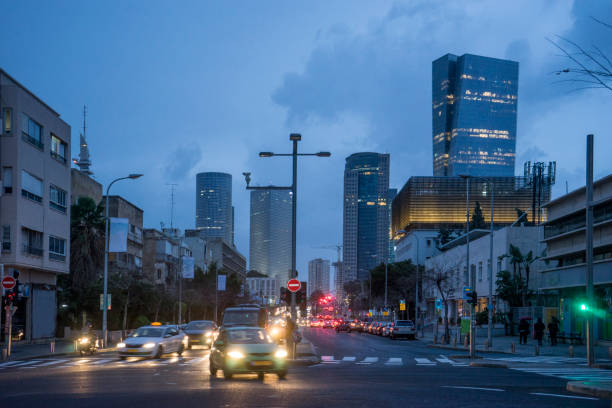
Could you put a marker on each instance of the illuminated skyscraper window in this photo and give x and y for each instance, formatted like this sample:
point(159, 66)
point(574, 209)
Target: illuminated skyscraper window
point(214, 212)
point(474, 101)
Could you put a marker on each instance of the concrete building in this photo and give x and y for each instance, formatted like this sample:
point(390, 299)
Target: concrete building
point(338, 280)
point(130, 261)
point(270, 233)
point(82, 185)
point(366, 214)
point(214, 211)
point(226, 257)
point(34, 204)
point(416, 246)
point(451, 262)
point(197, 245)
point(318, 276)
point(160, 257)
point(564, 275)
point(264, 290)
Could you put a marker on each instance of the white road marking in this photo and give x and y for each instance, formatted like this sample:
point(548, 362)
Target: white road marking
point(424, 361)
point(102, 361)
point(473, 388)
point(27, 363)
point(10, 363)
point(329, 360)
point(563, 396)
point(196, 360)
point(394, 361)
point(349, 359)
point(48, 363)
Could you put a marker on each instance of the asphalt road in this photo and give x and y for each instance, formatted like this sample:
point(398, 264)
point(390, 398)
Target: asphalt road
point(357, 371)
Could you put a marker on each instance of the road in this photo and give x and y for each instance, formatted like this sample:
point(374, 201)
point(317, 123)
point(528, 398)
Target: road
point(356, 371)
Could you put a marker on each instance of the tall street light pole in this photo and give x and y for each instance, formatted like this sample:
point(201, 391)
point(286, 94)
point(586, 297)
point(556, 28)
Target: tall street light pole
point(106, 239)
point(589, 252)
point(295, 138)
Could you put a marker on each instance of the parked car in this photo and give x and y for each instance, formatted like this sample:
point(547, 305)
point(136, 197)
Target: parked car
point(343, 326)
point(386, 329)
point(403, 328)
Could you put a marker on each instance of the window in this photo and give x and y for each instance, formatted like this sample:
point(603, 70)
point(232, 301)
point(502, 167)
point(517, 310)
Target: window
point(6, 238)
point(57, 249)
point(479, 271)
point(32, 242)
point(499, 266)
point(7, 119)
point(31, 187)
point(428, 243)
point(31, 132)
point(58, 149)
point(7, 180)
point(57, 199)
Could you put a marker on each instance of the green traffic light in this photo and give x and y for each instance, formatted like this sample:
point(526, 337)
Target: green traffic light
point(583, 307)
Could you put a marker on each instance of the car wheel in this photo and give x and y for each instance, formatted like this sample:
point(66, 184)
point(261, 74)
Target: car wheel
point(159, 353)
point(181, 350)
point(227, 374)
point(213, 369)
point(260, 376)
point(281, 374)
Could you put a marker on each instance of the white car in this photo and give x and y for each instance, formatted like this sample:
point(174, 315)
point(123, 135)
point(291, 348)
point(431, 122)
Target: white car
point(153, 341)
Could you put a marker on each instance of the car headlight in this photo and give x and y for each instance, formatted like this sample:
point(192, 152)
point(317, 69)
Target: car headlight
point(208, 334)
point(274, 332)
point(84, 340)
point(280, 353)
point(148, 345)
point(235, 354)
point(120, 345)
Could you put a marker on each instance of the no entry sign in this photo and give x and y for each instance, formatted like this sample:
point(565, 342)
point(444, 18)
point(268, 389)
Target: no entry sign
point(294, 285)
point(8, 282)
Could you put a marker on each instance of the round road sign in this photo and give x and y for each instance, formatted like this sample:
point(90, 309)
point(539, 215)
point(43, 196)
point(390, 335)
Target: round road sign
point(8, 282)
point(294, 285)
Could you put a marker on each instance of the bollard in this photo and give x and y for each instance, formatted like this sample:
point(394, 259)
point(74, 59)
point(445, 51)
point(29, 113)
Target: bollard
point(52, 346)
point(4, 354)
point(435, 339)
point(537, 350)
point(571, 351)
point(455, 342)
point(513, 347)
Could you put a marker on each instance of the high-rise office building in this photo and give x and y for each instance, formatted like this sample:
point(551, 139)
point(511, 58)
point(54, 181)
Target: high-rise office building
point(270, 239)
point(366, 214)
point(214, 211)
point(474, 102)
point(318, 276)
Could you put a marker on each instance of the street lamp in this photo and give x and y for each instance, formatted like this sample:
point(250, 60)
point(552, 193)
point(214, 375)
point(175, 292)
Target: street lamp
point(295, 138)
point(490, 305)
point(106, 239)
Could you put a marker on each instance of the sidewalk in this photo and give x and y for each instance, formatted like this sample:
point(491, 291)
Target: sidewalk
point(22, 350)
point(504, 345)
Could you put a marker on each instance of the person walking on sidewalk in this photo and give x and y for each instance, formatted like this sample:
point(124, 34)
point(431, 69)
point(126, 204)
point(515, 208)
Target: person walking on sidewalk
point(523, 328)
point(539, 328)
point(553, 330)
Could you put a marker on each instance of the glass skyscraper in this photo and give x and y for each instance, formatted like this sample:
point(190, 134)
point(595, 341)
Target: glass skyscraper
point(366, 214)
point(270, 238)
point(474, 102)
point(214, 211)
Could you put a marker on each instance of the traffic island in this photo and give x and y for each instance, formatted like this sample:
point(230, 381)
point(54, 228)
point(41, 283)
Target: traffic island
point(591, 388)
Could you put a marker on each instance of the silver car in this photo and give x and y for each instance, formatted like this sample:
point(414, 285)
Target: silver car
point(403, 328)
point(153, 341)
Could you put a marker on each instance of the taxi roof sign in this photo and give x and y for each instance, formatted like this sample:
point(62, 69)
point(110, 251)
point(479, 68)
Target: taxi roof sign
point(156, 324)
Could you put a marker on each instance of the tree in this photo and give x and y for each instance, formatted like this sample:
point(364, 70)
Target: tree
point(445, 236)
point(521, 263)
point(589, 68)
point(86, 242)
point(353, 293)
point(478, 221)
point(440, 275)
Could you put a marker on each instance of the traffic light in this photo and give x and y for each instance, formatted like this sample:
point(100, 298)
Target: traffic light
point(472, 297)
point(10, 296)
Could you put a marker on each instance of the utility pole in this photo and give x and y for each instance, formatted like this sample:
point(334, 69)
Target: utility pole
point(589, 252)
point(490, 317)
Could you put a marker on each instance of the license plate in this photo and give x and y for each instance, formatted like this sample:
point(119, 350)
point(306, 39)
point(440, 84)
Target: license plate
point(195, 341)
point(132, 350)
point(261, 363)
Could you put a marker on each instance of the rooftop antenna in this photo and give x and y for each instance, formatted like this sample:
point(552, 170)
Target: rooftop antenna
point(172, 186)
point(83, 161)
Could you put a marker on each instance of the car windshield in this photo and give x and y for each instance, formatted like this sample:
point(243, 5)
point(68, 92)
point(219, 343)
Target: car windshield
point(199, 326)
point(248, 336)
point(148, 332)
point(246, 317)
point(404, 323)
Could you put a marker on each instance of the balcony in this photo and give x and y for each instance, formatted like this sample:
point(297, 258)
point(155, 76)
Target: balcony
point(32, 250)
point(36, 143)
point(57, 257)
point(135, 237)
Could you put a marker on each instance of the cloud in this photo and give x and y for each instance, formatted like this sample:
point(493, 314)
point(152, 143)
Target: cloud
point(181, 161)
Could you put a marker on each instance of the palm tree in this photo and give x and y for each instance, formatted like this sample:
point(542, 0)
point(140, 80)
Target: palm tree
point(86, 242)
point(521, 262)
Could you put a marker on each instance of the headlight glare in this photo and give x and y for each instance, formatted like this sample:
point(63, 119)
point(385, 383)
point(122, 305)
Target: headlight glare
point(84, 340)
point(280, 353)
point(120, 345)
point(148, 345)
point(235, 354)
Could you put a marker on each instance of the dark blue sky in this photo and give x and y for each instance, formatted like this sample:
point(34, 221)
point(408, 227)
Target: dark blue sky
point(173, 89)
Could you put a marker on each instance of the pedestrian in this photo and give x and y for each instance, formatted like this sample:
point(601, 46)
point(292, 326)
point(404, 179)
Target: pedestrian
point(553, 330)
point(539, 328)
point(523, 331)
point(289, 336)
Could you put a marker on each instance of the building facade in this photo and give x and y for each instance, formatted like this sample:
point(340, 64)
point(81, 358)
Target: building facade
point(366, 214)
point(82, 185)
point(474, 104)
point(416, 246)
point(270, 233)
point(265, 291)
point(214, 211)
point(130, 261)
point(226, 257)
point(565, 273)
point(160, 262)
point(338, 280)
point(318, 276)
point(34, 204)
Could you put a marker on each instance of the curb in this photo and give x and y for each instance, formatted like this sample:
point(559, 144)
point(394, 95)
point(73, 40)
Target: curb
point(303, 362)
point(588, 389)
point(69, 353)
point(464, 356)
point(440, 346)
point(487, 364)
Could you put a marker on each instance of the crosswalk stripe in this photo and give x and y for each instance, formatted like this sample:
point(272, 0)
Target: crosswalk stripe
point(78, 362)
point(10, 363)
point(424, 361)
point(48, 363)
point(195, 360)
point(349, 359)
point(26, 363)
point(328, 360)
point(102, 361)
point(394, 361)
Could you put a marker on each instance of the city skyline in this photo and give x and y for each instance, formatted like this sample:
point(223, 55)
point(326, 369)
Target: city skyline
point(377, 104)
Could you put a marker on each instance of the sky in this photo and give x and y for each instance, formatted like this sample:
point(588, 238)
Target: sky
point(176, 88)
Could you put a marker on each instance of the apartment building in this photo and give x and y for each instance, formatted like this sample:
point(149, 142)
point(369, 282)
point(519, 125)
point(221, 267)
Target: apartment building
point(130, 261)
point(34, 203)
